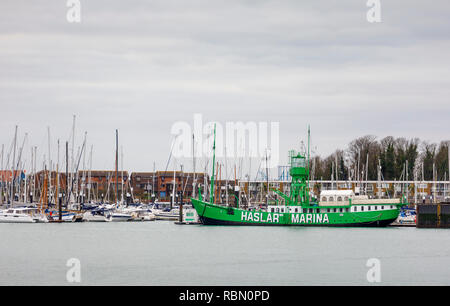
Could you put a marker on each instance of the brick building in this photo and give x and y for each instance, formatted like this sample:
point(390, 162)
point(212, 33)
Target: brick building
point(160, 185)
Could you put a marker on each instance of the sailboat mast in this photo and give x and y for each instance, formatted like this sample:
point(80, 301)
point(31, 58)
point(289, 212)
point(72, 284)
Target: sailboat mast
point(193, 166)
point(2, 174)
point(211, 194)
point(153, 183)
point(117, 166)
point(89, 175)
point(174, 186)
point(72, 164)
point(49, 162)
point(121, 153)
point(57, 180)
point(83, 191)
point(12, 196)
point(34, 173)
point(267, 178)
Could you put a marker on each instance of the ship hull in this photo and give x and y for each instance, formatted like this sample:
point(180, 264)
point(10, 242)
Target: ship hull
point(211, 214)
point(381, 223)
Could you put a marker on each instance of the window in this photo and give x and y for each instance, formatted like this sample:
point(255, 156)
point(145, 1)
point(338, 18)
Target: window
point(328, 210)
point(362, 208)
point(346, 199)
point(324, 199)
point(339, 199)
point(335, 210)
point(382, 207)
point(369, 208)
point(331, 199)
point(376, 207)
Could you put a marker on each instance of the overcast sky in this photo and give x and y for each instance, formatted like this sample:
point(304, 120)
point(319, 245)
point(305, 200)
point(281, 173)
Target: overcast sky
point(140, 66)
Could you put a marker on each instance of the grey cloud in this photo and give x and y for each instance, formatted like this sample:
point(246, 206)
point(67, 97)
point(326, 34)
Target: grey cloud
point(142, 65)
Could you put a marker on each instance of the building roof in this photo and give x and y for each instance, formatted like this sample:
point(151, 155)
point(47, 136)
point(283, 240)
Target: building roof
point(331, 193)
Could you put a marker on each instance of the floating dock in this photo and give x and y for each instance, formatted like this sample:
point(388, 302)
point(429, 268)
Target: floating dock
point(433, 215)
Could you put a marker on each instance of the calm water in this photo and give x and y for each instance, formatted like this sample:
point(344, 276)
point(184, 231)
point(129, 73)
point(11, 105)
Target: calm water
point(162, 253)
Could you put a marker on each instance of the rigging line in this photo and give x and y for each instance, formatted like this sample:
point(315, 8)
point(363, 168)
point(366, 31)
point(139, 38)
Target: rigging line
point(76, 170)
point(171, 150)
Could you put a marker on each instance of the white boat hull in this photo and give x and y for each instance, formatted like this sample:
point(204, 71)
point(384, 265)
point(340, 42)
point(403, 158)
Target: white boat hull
point(118, 217)
point(167, 217)
point(16, 219)
point(22, 215)
point(89, 217)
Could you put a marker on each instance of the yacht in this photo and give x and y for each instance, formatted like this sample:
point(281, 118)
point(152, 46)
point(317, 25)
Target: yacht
point(120, 216)
point(168, 214)
point(22, 215)
point(140, 213)
point(98, 215)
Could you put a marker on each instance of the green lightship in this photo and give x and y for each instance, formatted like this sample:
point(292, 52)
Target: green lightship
point(333, 208)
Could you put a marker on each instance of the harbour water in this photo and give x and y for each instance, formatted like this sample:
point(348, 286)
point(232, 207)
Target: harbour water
point(162, 253)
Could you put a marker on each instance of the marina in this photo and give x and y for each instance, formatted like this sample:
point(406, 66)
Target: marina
point(50, 196)
point(123, 237)
point(227, 146)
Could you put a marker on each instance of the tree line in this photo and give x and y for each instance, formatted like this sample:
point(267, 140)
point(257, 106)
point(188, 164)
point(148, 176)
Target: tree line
point(388, 159)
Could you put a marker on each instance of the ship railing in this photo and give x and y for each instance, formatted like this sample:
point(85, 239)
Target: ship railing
point(376, 201)
point(334, 203)
point(360, 202)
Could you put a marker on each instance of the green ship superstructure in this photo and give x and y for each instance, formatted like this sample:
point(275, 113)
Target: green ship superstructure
point(332, 208)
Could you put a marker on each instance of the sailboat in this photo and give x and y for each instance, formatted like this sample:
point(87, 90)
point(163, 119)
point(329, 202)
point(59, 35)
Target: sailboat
point(118, 214)
point(298, 208)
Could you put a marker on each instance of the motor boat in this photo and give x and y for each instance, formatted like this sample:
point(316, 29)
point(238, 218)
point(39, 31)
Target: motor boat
point(407, 216)
point(140, 213)
point(168, 214)
point(98, 215)
point(22, 215)
point(120, 216)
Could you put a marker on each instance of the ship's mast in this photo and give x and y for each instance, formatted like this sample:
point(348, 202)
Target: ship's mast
point(211, 194)
point(193, 166)
point(307, 166)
